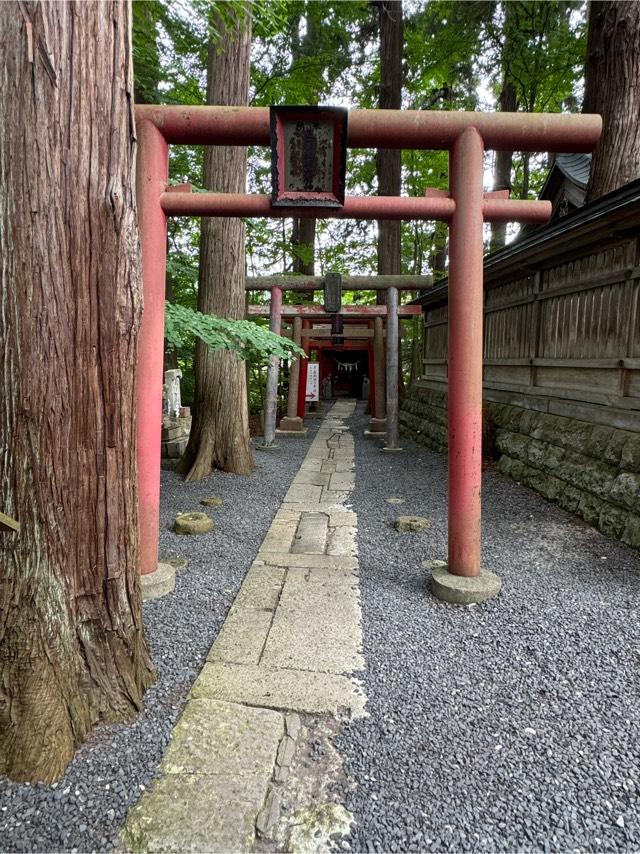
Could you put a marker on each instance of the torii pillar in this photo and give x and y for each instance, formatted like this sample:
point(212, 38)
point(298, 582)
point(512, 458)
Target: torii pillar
point(292, 422)
point(378, 421)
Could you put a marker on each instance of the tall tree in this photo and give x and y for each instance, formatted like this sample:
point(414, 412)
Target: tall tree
point(389, 161)
point(220, 429)
point(507, 103)
point(72, 650)
point(612, 88)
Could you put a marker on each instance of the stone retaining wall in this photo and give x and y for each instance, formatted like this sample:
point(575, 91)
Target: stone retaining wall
point(585, 468)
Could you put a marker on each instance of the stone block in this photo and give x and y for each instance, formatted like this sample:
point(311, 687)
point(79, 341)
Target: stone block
point(175, 448)
point(612, 521)
point(242, 636)
point(613, 451)
point(630, 458)
point(292, 690)
point(598, 441)
point(218, 738)
point(631, 533)
point(193, 523)
point(513, 444)
point(411, 524)
point(626, 491)
point(590, 507)
point(182, 814)
point(570, 499)
point(211, 501)
point(510, 467)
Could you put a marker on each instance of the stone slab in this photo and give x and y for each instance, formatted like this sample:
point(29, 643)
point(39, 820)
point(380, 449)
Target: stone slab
point(311, 535)
point(317, 626)
point(309, 561)
point(213, 781)
point(312, 478)
point(342, 517)
point(342, 480)
point(195, 813)
point(303, 493)
point(243, 635)
point(294, 690)
point(261, 587)
point(342, 541)
point(217, 738)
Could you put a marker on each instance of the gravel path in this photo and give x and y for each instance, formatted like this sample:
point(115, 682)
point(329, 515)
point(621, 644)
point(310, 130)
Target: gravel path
point(86, 809)
point(508, 726)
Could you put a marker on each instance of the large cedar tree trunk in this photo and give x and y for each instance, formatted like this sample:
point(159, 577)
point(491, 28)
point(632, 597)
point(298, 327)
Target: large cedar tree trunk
point(389, 161)
point(220, 430)
point(72, 650)
point(503, 163)
point(612, 88)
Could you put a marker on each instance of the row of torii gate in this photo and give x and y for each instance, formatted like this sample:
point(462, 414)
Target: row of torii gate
point(465, 207)
point(378, 331)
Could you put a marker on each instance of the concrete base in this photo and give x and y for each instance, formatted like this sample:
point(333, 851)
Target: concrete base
point(369, 435)
point(389, 450)
point(292, 425)
point(261, 447)
point(377, 425)
point(156, 584)
point(463, 590)
point(175, 562)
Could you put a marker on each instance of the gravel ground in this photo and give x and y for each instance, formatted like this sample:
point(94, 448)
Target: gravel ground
point(86, 808)
point(508, 726)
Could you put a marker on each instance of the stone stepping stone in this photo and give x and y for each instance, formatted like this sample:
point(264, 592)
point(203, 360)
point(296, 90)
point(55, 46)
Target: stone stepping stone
point(411, 524)
point(212, 501)
point(394, 500)
point(193, 523)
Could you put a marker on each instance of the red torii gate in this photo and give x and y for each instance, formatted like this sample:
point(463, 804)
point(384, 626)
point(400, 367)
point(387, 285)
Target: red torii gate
point(465, 207)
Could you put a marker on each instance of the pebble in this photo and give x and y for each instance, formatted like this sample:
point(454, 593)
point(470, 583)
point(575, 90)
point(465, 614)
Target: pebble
point(542, 671)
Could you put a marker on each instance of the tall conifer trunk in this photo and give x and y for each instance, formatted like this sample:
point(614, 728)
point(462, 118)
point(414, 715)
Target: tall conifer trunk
point(220, 431)
point(389, 161)
point(72, 650)
point(612, 88)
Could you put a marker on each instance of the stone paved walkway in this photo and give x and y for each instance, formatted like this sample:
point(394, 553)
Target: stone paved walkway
point(290, 644)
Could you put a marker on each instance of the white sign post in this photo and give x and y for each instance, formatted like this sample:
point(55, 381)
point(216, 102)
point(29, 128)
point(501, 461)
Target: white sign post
point(313, 382)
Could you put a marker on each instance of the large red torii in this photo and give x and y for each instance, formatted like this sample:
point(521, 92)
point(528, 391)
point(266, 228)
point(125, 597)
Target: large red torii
point(465, 207)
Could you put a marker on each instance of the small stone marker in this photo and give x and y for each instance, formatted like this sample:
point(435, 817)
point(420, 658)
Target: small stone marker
point(411, 524)
point(394, 500)
point(212, 501)
point(193, 523)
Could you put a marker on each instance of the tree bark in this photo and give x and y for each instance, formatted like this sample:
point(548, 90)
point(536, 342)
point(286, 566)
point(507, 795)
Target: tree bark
point(502, 172)
point(72, 649)
point(612, 88)
point(389, 161)
point(220, 429)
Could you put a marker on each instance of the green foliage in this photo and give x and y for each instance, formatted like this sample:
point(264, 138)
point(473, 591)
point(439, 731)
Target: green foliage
point(242, 337)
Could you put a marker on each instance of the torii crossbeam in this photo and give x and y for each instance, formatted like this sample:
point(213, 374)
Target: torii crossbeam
point(465, 207)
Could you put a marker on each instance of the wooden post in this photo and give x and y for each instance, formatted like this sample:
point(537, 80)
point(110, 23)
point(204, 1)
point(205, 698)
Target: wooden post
point(378, 424)
point(393, 362)
point(292, 422)
point(271, 404)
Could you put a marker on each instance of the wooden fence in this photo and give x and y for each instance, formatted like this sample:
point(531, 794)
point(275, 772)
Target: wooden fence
point(562, 321)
